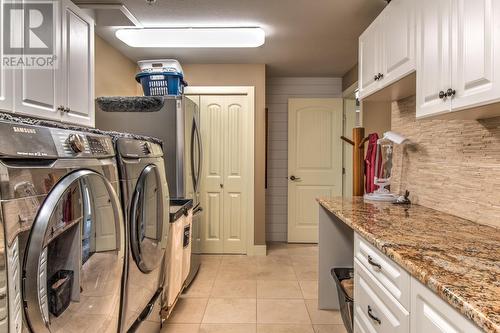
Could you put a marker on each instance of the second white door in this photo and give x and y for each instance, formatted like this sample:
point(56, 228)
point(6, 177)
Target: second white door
point(224, 185)
point(314, 162)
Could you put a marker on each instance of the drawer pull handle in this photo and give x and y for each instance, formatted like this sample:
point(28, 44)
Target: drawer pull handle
point(370, 314)
point(373, 263)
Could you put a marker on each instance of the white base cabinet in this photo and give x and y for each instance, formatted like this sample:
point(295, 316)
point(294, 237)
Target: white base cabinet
point(387, 299)
point(430, 314)
point(63, 93)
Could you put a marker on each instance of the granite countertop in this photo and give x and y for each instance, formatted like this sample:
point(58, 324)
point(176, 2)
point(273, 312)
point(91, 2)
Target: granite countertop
point(457, 258)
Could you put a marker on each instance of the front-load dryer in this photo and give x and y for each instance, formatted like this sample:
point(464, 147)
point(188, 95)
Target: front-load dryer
point(62, 242)
point(146, 205)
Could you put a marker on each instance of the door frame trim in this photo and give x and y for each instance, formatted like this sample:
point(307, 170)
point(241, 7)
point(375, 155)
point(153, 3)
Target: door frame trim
point(248, 91)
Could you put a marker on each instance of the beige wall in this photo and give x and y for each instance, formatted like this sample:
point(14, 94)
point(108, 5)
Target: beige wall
point(350, 77)
point(114, 73)
point(242, 75)
point(376, 117)
point(449, 165)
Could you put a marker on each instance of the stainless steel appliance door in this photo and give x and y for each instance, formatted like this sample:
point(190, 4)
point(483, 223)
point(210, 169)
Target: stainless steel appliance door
point(146, 220)
point(75, 253)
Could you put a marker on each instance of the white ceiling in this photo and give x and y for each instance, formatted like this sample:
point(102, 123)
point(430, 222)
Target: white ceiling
point(304, 37)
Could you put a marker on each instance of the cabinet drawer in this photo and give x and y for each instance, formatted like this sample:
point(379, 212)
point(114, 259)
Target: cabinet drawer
point(394, 278)
point(375, 310)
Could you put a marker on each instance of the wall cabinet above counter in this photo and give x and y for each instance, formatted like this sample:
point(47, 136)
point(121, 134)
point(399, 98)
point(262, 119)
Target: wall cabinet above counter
point(64, 92)
point(452, 45)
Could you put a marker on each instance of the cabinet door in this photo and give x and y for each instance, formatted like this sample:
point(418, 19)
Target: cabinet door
point(369, 59)
point(476, 49)
point(6, 93)
point(398, 40)
point(37, 91)
point(431, 314)
point(433, 56)
point(78, 62)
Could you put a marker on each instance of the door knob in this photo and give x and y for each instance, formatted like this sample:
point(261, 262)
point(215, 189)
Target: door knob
point(293, 178)
point(221, 185)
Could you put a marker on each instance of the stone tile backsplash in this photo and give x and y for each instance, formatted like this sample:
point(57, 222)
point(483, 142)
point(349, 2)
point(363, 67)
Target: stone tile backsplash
point(449, 165)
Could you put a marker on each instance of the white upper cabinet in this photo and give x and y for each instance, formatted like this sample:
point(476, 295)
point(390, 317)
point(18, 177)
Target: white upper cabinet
point(369, 60)
point(78, 61)
point(66, 91)
point(398, 40)
point(387, 47)
point(433, 56)
point(37, 91)
point(6, 94)
point(458, 44)
point(476, 53)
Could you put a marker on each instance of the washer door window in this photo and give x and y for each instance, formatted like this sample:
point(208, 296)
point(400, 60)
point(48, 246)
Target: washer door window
point(74, 259)
point(146, 224)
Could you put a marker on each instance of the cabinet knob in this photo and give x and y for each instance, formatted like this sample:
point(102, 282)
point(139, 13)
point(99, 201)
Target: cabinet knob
point(67, 110)
point(442, 94)
point(293, 178)
point(375, 77)
point(60, 108)
point(380, 76)
point(451, 92)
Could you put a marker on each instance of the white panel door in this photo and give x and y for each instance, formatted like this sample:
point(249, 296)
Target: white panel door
point(397, 32)
point(433, 56)
point(314, 162)
point(38, 91)
point(369, 59)
point(476, 50)
point(431, 314)
point(6, 91)
point(105, 232)
point(235, 173)
point(78, 61)
point(212, 182)
point(224, 186)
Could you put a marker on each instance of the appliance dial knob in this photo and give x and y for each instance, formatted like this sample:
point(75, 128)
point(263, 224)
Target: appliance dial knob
point(76, 143)
point(146, 148)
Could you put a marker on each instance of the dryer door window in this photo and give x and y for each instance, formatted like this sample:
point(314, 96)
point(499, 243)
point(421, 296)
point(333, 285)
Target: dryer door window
point(146, 224)
point(74, 259)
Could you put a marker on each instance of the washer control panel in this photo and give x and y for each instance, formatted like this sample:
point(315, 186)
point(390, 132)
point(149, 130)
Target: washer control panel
point(79, 144)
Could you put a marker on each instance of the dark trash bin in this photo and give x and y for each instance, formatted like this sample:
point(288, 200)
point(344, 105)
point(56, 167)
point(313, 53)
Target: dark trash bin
point(60, 286)
point(344, 278)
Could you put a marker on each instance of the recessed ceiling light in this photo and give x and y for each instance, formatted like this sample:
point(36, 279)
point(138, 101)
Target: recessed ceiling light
point(192, 37)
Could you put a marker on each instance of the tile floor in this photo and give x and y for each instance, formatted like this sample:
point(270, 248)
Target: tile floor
point(239, 294)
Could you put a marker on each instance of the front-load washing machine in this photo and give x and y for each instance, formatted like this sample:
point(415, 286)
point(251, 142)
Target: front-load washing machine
point(62, 242)
point(146, 205)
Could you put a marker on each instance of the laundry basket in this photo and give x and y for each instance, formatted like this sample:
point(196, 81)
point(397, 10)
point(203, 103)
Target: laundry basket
point(343, 278)
point(162, 77)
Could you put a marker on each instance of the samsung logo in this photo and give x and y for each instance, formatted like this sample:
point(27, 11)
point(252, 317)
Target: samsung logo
point(24, 130)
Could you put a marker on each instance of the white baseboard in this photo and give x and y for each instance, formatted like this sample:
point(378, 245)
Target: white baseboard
point(258, 250)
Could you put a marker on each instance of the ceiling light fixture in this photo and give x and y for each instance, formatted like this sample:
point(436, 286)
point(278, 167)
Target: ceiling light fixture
point(193, 37)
